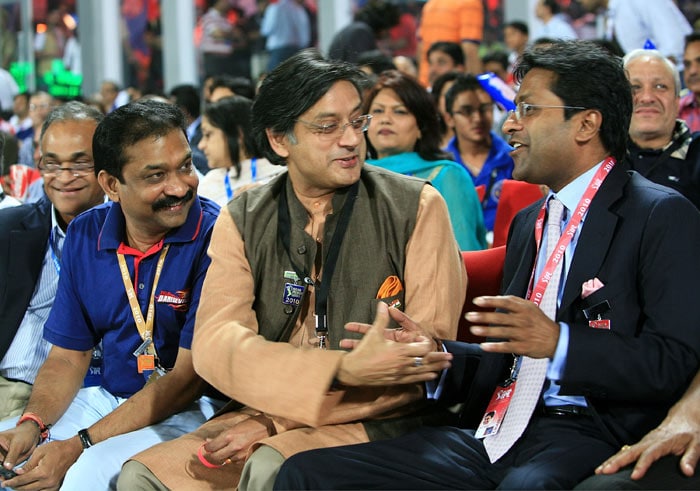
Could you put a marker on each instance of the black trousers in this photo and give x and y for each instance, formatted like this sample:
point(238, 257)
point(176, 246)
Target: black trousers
point(553, 453)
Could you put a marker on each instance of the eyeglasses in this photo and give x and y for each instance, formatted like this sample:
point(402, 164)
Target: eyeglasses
point(34, 107)
point(333, 131)
point(468, 111)
point(523, 110)
point(77, 170)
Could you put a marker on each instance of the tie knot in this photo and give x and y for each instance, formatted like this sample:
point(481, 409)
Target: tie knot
point(556, 209)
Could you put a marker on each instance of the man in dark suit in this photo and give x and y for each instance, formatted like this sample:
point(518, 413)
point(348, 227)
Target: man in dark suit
point(31, 241)
point(624, 342)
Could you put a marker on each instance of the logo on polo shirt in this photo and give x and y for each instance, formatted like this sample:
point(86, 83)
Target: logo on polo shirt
point(180, 300)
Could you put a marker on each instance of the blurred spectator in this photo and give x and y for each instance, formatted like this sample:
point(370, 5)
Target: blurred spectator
point(631, 23)
point(8, 90)
point(40, 104)
point(112, 96)
point(516, 36)
point(186, 97)
point(49, 43)
point(226, 86)
point(375, 62)
point(690, 102)
point(475, 145)
point(217, 39)
point(554, 23)
point(402, 40)
point(287, 28)
point(371, 24)
point(496, 62)
point(72, 58)
point(8, 40)
point(406, 64)
point(154, 41)
point(443, 57)
point(226, 141)
point(459, 21)
point(242, 43)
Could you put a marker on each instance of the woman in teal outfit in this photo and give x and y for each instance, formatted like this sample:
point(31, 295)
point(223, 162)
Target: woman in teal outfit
point(405, 137)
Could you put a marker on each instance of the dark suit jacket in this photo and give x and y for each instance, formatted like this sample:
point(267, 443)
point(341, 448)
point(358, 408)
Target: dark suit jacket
point(24, 234)
point(641, 240)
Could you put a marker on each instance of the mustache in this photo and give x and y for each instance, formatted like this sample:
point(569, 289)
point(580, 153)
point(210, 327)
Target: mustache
point(169, 201)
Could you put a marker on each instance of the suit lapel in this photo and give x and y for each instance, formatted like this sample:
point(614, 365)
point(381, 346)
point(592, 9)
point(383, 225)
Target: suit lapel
point(26, 246)
point(522, 260)
point(596, 236)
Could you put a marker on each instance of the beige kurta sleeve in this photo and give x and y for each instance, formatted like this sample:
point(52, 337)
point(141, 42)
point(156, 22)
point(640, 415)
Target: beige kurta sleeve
point(435, 277)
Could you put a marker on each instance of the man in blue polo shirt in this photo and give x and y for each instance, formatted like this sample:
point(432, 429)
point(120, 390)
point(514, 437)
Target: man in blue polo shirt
point(131, 275)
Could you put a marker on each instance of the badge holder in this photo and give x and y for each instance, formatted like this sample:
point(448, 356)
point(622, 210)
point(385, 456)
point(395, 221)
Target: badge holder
point(498, 405)
point(595, 315)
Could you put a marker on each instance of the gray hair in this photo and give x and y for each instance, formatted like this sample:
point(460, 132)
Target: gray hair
point(654, 53)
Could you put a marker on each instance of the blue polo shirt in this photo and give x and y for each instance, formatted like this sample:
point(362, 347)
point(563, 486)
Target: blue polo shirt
point(497, 167)
point(91, 302)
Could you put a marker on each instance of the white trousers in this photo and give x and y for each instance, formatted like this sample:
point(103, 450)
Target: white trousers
point(98, 467)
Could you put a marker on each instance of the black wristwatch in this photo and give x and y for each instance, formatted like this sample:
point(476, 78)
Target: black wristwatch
point(85, 438)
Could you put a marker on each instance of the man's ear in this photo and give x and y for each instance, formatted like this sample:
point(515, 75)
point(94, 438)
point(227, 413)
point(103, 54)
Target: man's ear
point(279, 143)
point(110, 185)
point(589, 125)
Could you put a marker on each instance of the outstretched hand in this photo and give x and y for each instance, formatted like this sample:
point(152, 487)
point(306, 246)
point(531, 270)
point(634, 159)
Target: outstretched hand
point(521, 325)
point(390, 356)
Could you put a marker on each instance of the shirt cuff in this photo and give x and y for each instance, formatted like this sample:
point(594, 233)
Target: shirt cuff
point(555, 370)
point(433, 388)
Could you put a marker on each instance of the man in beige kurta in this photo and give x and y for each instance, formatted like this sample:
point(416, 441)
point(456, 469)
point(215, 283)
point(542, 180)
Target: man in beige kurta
point(329, 227)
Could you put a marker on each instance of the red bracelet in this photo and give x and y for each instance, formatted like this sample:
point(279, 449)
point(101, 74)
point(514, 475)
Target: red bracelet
point(206, 463)
point(43, 429)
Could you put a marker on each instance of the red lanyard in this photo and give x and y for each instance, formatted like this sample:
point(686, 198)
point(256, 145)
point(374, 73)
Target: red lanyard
point(535, 295)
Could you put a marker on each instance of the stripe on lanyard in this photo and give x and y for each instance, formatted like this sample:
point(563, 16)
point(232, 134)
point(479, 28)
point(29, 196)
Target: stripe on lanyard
point(53, 247)
point(535, 295)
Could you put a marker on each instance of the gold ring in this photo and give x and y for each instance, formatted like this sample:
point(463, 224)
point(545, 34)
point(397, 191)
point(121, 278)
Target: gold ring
point(625, 448)
point(226, 462)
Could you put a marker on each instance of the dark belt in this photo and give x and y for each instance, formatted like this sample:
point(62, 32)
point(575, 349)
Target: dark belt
point(567, 411)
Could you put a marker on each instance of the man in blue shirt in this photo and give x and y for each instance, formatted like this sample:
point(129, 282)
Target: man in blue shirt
point(31, 242)
point(475, 145)
point(131, 274)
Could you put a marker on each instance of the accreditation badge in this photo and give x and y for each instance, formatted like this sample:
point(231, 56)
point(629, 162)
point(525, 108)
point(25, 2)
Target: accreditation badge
point(292, 294)
point(145, 363)
point(496, 410)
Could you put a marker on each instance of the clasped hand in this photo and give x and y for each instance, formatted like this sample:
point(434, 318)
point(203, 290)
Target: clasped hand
point(47, 464)
point(390, 356)
point(232, 445)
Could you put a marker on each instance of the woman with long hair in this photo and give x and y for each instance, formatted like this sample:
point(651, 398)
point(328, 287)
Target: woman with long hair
point(226, 142)
point(405, 137)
